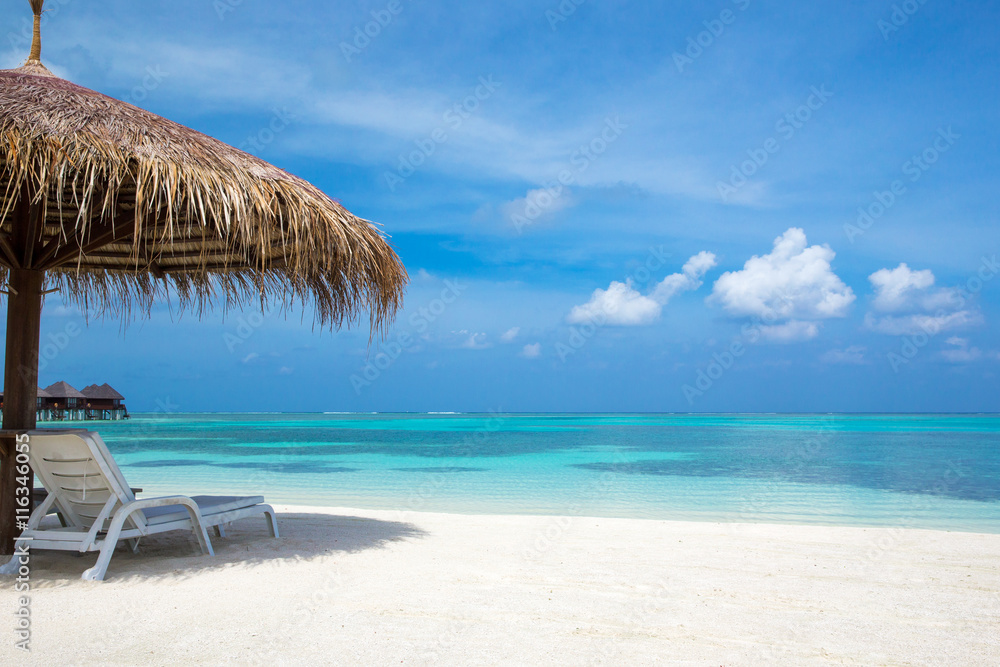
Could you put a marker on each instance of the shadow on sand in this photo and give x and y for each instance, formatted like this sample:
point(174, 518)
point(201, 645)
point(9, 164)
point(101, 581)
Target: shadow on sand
point(175, 556)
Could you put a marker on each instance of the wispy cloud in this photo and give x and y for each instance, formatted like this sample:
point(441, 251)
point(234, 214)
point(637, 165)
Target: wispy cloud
point(959, 351)
point(849, 356)
point(509, 335)
point(475, 341)
point(532, 351)
point(792, 331)
point(903, 325)
point(537, 204)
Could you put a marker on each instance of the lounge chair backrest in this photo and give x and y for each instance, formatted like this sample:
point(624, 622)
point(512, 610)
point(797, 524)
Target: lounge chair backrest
point(76, 467)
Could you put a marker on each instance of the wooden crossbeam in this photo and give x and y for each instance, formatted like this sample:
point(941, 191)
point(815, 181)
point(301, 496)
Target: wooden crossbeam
point(122, 227)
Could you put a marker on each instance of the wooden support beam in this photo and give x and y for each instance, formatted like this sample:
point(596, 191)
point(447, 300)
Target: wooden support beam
point(9, 253)
point(100, 235)
point(28, 233)
point(278, 263)
point(50, 248)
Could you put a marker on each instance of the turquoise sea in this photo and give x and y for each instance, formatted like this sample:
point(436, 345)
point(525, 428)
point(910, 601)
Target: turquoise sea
point(920, 471)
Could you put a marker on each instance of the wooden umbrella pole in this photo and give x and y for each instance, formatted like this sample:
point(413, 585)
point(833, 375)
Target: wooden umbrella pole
point(24, 311)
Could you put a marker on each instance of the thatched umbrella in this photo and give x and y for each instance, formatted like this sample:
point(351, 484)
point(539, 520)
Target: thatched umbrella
point(116, 207)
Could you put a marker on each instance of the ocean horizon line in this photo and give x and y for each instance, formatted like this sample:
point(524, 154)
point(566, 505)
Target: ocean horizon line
point(542, 412)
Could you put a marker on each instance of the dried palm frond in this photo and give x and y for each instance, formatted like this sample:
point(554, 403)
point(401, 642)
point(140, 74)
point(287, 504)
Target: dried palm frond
point(124, 207)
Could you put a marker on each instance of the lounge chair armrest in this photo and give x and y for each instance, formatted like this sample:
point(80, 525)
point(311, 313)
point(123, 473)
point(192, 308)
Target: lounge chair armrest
point(130, 508)
point(96, 573)
point(160, 502)
point(134, 506)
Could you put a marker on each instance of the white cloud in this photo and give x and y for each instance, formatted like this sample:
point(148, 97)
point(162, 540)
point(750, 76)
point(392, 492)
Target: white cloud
point(903, 289)
point(250, 357)
point(510, 334)
point(960, 352)
point(622, 305)
point(537, 204)
point(687, 280)
point(904, 325)
point(852, 356)
point(794, 281)
point(475, 341)
point(285, 370)
point(894, 288)
point(792, 331)
point(907, 302)
point(532, 351)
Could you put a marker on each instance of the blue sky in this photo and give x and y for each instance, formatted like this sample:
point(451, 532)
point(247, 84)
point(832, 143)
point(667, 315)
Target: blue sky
point(603, 206)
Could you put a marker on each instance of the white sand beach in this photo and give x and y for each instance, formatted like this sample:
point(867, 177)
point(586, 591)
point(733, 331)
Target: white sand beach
point(344, 586)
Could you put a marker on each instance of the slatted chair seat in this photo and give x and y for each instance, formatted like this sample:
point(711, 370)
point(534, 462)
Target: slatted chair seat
point(209, 506)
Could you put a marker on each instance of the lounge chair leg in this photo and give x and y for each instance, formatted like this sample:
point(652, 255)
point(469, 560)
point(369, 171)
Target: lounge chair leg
point(133, 545)
point(202, 536)
point(11, 566)
point(272, 521)
point(220, 530)
point(100, 568)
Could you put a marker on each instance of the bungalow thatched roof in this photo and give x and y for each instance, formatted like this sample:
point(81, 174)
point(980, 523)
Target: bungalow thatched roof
point(62, 390)
point(123, 207)
point(103, 392)
point(41, 393)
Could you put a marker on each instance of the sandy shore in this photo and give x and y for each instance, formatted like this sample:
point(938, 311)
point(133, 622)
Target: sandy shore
point(346, 586)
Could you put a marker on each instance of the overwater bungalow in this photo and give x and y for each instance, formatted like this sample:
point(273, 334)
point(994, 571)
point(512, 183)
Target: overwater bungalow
point(65, 402)
point(61, 402)
point(103, 402)
point(42, 405)
point(44, 414)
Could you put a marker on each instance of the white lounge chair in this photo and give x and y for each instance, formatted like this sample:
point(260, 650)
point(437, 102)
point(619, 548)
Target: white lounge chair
point(89, 491)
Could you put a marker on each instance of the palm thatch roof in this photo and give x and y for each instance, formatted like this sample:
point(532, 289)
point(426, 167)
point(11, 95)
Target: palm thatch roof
point(103, 392)
point(121, 207)
point(62, 390)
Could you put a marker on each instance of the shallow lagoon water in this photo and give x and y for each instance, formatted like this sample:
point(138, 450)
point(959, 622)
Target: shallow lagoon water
point(918, 471)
